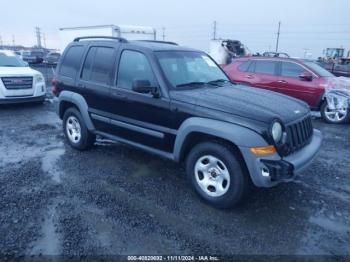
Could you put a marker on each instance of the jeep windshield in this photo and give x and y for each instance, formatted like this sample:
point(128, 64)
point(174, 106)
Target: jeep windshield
point(187, 69)
point(9, 59)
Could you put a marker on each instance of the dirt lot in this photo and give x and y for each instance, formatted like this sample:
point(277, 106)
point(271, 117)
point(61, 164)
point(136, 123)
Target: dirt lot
point(118, 200)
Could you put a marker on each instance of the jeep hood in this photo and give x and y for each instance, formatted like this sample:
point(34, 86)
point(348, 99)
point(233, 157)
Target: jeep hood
point(247, 102)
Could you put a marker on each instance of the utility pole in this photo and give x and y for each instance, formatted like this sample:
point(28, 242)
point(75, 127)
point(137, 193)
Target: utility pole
point(214, 31)
point(1, 43)
point(163, 35)
point(13, 41)
point(44, 38)
point(278, 36)
point(38, 36)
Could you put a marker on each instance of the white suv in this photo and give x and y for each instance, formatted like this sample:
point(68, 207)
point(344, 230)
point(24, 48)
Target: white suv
point(18, 82)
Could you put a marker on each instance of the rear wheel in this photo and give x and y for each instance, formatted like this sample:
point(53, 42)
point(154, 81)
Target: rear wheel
point(75, 130)
point(216, 174)
point(334, 116)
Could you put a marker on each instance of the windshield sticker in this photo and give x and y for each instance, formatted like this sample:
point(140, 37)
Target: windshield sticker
point(209, 61)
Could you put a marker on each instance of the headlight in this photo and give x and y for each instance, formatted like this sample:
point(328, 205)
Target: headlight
point(276, 132)
point(39, 78)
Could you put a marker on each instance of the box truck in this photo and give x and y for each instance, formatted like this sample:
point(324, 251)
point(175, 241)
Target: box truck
point(129, 32)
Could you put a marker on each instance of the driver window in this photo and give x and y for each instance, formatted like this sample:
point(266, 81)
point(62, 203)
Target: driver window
point(291, 69)
point(133, 65)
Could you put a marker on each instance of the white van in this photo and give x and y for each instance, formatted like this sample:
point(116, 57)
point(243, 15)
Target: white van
point(18, 82)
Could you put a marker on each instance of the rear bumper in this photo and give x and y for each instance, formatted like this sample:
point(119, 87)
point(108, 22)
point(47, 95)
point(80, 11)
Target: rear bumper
point(271, 170)
point(15, 100)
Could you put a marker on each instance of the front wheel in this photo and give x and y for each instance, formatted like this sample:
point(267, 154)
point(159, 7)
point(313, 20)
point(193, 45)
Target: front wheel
point(334, 116)
point(216, 174)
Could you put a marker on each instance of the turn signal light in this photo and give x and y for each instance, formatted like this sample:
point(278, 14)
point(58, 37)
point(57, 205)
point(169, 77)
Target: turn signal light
point(263, 150)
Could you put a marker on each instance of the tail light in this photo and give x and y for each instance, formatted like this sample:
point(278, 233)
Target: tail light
point(55, 89)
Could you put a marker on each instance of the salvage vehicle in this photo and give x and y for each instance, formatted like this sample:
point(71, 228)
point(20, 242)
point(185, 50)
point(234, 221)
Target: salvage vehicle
point(224, 51)
point(302, 79)
point(18, 82)
point(177, 103)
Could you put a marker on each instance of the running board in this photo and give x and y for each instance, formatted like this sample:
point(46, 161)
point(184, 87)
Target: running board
point(137, 145)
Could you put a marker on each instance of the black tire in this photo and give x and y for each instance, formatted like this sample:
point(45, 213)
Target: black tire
point(240, 183)
point(323, 110)
point(87, 139)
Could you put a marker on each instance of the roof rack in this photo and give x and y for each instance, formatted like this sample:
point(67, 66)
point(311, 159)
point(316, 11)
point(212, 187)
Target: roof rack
point(275, 54)
point(120, 39)
point(158, 42)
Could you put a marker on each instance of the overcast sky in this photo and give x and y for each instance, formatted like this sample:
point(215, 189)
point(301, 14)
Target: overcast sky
point(311, 24)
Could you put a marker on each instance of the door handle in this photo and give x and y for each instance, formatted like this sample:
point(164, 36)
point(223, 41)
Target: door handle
point(119, 95)
point(81, 85)
point(282, 81)
point(249, 76)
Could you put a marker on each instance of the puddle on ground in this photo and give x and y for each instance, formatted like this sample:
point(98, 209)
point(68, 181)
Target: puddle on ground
point(330, 224)
point(49, 163)
point(49, 243)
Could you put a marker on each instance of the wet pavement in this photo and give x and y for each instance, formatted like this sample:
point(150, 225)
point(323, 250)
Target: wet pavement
point(115, 199)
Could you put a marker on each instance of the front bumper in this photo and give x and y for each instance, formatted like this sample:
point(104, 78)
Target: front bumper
point(270, 170)
point(25, 99)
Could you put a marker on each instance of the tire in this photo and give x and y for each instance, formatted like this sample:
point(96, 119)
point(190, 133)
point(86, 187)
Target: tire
point(219, 163)
point(337, 117)
point(75, 130)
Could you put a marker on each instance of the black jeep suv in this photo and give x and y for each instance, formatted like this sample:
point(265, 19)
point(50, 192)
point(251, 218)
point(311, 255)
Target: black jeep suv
point(177, 103)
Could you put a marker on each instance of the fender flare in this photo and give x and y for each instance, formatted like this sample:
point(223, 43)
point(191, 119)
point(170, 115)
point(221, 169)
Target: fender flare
point(238, 135)
point(79, 101)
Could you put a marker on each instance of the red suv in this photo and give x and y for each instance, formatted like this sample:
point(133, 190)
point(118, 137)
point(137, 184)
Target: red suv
point(302, 79)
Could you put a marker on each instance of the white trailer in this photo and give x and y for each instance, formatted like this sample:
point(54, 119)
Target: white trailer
point(129, 32)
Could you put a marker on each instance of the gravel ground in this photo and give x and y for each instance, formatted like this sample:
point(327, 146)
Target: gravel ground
point(115, 199)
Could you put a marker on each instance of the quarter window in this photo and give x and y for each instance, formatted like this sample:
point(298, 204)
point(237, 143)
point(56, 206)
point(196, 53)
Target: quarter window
point(133, 66)
point(71, 62)
point(265, 67)
point(291, 69)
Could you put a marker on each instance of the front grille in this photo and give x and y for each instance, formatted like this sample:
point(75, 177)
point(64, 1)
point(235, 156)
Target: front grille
point(299, 134)
point(14, 83)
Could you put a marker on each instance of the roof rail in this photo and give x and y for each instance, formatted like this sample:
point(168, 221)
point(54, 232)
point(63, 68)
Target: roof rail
point(120, 39)
point(275, 54)
point(158, 42)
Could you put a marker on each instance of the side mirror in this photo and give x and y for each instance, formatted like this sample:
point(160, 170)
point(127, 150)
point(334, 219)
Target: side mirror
point(144, 86)
point(306, 76)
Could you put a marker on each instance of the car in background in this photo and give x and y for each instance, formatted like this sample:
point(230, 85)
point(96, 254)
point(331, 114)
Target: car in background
point(302, 79)
point(52, 58)
point(18, 82)
point(33, 56)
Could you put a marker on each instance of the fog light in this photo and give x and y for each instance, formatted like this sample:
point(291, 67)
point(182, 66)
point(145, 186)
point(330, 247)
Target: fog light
point(265, 172)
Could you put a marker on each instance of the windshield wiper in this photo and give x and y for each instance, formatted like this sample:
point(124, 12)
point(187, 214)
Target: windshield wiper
point(191, 84)
point(218, 81)
point(8, 65)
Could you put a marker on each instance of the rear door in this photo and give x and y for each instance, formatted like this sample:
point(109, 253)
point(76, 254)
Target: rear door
point(262, 73)
point(290, 84)
point(95, 80)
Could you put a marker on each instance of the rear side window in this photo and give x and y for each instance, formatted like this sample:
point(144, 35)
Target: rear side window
point(243, 67)
point(133, 66)
point(98, 66)
point(265, 67)
point(71, 61)
point(291, 69)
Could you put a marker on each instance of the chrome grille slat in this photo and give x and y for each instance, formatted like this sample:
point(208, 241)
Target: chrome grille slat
point(17, 83)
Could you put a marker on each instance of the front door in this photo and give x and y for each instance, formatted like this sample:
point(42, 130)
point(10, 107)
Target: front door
point(291, 84)
point(139, 117)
